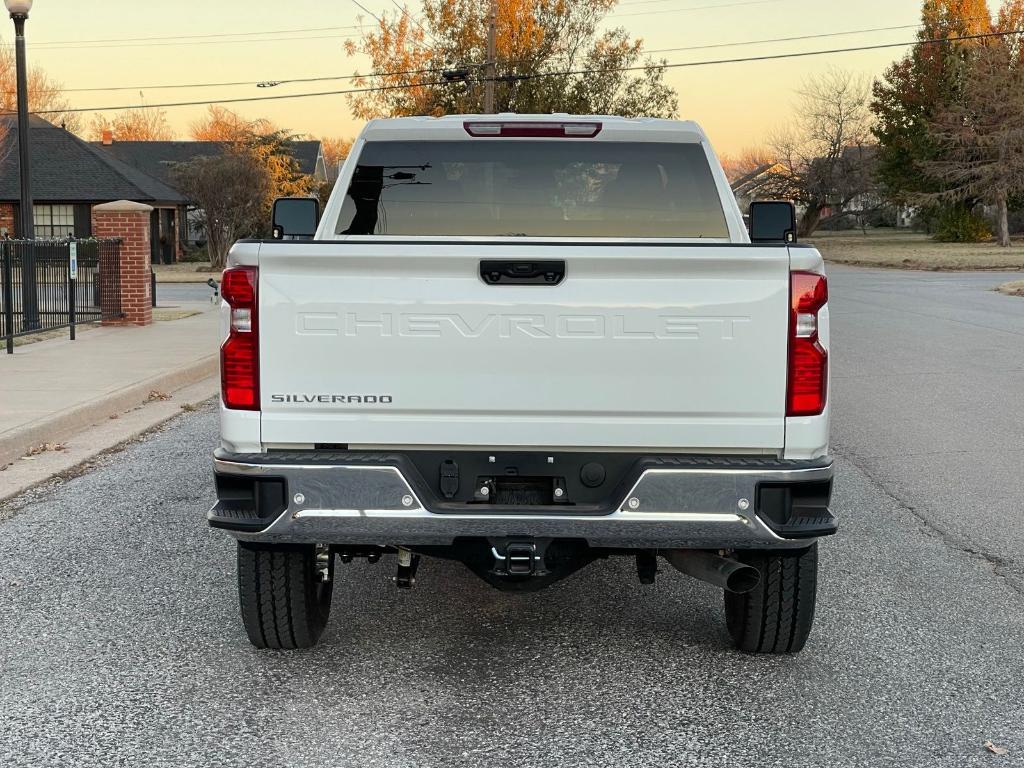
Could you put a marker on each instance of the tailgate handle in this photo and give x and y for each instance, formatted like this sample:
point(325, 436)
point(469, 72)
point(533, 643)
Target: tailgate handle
point(522, 272)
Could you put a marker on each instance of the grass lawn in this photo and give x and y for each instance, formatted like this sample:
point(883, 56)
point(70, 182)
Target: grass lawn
point(910, 250)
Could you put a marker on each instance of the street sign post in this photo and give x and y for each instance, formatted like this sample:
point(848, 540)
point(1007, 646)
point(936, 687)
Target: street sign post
point(72, 283)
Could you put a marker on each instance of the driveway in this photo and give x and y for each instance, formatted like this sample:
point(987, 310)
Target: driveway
point(121, 642)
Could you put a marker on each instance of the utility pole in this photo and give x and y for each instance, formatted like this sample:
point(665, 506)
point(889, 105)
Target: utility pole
point(490, 66)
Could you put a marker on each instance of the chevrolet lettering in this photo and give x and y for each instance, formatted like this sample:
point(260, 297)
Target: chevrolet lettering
point(505, 326)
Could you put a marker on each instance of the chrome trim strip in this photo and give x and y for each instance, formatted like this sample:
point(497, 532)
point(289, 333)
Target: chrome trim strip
point(656, 491)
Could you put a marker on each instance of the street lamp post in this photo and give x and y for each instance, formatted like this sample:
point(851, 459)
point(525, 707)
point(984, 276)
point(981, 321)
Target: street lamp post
point(19, 12)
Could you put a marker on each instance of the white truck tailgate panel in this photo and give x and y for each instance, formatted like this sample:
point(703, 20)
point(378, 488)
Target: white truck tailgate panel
point(641, 346)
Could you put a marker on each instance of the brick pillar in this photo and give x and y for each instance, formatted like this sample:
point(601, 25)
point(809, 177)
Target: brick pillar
point(7, 220)
point(129, 222)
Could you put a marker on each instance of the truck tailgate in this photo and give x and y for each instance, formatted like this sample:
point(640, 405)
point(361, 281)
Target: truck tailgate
point(656, 345)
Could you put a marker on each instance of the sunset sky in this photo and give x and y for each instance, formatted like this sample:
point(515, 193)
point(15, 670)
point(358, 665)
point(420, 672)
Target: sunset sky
point(736, 103)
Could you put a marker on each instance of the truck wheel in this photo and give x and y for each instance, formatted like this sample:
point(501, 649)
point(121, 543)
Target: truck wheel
point(777, 615)
point(284, 600)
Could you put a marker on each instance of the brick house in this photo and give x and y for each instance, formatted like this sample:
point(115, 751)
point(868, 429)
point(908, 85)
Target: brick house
point(157, 159)
point(69, 177)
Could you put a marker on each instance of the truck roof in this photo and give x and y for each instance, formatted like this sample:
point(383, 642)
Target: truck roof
point(613, 128)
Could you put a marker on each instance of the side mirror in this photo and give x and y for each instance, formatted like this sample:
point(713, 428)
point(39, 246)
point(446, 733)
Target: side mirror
point(295, 218)
point(772, 221)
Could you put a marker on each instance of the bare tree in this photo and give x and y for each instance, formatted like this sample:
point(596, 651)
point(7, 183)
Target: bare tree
point(44, 94)
point(980, 138)
point(230, 192)
point(820, 156)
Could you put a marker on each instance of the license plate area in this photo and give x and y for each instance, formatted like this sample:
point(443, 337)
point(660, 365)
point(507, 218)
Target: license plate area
point(518, 491)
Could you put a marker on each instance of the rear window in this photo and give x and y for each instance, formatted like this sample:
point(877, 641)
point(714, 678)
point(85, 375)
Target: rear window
point(564, 188)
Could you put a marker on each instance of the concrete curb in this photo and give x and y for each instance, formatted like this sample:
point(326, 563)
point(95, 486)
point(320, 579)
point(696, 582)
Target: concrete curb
point(60, 426)
point(86, 447)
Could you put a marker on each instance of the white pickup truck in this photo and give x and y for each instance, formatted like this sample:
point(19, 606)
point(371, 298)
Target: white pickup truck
point(526, 343)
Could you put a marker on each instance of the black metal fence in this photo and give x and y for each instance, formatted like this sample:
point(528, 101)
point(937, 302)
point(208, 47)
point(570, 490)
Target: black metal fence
point(42, 293)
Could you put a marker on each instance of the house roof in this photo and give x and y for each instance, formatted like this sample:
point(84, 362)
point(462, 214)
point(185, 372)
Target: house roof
point(743, 181)
point(67, 169)
point(757, 178)
point(156, 158)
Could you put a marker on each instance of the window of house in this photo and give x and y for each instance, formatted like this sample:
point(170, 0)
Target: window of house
point(53, 220)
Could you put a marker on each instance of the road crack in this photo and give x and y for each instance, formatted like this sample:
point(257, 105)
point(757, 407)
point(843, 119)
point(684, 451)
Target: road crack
point(1001, 567)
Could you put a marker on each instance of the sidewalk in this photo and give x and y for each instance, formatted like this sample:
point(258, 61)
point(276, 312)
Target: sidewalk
point(51, 390)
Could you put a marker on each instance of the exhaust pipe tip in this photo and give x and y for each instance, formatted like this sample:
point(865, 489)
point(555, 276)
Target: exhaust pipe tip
point(731, 575)
point(744, 579)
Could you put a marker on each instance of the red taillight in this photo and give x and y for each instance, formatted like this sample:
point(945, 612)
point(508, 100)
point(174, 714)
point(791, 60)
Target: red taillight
point(521, 129)
point(808, 361)
point(240, 354)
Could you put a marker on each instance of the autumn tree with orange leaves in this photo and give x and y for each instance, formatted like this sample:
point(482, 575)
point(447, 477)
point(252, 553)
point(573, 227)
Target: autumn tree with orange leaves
point(143, 124)
point(925, 88)
point(916, 88)
point(223, 125)
point(267, 143)
point(551, 57)
point(979, 139)
point(335, 152)
point(235, 189)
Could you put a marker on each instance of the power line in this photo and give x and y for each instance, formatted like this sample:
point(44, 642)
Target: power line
point(779, 56)
point(644, 2)
point(615, 15)
point(285, 81)
point(258, 37)
point(784, 39)
point(248, 41)
point(628, 3)
point(567, 73)
point(353, 76)
point(167, 39)
point(416, 21)
point(360, 5)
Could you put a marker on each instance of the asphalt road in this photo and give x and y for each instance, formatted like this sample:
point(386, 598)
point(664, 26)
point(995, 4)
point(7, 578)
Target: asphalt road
point(120, 642)
point(169, 294)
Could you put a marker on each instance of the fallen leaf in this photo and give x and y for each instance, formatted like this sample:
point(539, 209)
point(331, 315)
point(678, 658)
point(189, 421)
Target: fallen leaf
point(44, 447)
point(157, 395)
point(994, 749)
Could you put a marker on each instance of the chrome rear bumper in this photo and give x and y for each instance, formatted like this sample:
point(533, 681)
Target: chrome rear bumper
point(704, 506)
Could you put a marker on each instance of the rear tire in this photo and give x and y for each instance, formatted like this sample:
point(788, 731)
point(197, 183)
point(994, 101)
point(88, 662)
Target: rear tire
point(777, 615)
point(284, 602)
